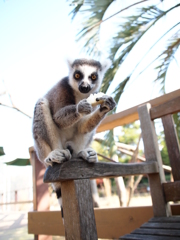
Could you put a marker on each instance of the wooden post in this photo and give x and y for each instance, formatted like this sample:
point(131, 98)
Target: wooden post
point(79, 220)
point(41, 198)
point(152, 153)
point(172, 145)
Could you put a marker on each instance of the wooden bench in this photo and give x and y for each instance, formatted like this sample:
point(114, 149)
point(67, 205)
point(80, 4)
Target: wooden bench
point(113, 223)
point(163, 225)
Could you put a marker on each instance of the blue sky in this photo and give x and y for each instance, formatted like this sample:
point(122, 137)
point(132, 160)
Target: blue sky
point(35, 38)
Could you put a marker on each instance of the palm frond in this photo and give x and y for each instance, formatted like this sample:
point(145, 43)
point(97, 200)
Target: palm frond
point(120, 89)
point(166, 57)
point(78, 4)
point(94, 13)
point(129, 34)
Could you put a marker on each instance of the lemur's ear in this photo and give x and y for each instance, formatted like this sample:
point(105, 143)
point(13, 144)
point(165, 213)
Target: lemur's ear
point(105, 65)
point(69, 62)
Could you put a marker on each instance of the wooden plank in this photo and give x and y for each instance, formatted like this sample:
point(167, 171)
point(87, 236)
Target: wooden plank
point(83, 170)
point(46, 222)
point(172, 191)
point(172, 143)
point(173, 219)
point(40, 190)
point(130, 115)
point(115, 222)
point(110, 222)
point(152, 153)
point(170, 107)
point(160, 225)
point(146, 237)
point(157, 232)
point(79, 220)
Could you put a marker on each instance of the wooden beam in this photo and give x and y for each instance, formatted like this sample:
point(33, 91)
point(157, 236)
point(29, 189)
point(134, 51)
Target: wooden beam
point(172, 191)
point(40, 190)
point(130, 115)
point(166, 108)
point(79, 221)
point(83, 170)
point(111, 222)
point(152, 153)
point(172, 143)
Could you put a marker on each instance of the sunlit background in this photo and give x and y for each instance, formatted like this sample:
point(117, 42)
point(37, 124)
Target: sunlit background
point(36, 38)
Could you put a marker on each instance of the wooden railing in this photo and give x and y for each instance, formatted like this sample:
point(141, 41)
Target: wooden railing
point(130, 115)
point(110, 223)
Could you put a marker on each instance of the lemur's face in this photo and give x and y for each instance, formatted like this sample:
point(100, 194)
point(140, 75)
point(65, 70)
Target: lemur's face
point(86, 76)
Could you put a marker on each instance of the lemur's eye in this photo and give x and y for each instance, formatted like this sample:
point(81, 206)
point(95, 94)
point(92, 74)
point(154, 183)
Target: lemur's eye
point(93, 76)
point(77, 75)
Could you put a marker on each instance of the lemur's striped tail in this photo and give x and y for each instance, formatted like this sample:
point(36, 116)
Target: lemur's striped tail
point(59, 197)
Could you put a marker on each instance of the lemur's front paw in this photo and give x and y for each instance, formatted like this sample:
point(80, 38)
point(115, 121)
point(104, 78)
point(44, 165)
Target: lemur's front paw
point(108, 103)
point(88, 154)
point(58, 156)
point(84, 107)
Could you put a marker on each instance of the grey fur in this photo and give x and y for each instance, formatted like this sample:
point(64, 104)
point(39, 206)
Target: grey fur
point(64, 116)
point(87, 62)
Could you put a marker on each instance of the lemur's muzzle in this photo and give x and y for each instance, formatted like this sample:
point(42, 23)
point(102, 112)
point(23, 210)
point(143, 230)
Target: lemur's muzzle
point(84, 88)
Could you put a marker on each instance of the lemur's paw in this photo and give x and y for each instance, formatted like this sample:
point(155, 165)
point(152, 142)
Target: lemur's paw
point(58, 156)
point(84, 107)
point(108, 103)
point(89, 155)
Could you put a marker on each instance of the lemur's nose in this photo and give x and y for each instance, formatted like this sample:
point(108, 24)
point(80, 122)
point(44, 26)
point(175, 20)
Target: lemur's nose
point(84, 89)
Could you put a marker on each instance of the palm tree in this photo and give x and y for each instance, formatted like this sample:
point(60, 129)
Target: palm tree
point(128, 33)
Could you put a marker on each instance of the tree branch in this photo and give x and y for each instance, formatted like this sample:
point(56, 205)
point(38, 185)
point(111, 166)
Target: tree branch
point(15, 108)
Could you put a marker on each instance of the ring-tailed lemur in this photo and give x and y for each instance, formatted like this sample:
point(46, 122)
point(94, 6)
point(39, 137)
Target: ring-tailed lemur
point(64, 122)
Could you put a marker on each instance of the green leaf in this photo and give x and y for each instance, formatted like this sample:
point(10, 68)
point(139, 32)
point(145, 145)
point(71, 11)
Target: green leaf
point(19, 162)
point(2, 151)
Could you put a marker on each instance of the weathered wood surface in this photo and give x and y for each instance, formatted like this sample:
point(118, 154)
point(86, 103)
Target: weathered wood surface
point(157, 228)
point(166, 225)
point(172, 191)
point(152, 152)
point(146, 237)
point(169, 107)
point(130, 115)
point(175, 219)
point(172, 143)
point(83, 170)
point(158, 232)
point(79, 220)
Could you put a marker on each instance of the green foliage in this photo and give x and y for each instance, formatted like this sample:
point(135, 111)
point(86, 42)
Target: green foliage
point(128, 34)
point(107, 147)
point(130, 133)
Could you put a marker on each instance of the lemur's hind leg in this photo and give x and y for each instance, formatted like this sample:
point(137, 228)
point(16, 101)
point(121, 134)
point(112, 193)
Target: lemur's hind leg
point(46, 135)
point(88, 154)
